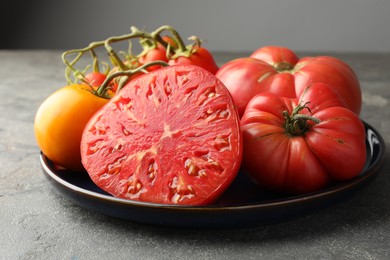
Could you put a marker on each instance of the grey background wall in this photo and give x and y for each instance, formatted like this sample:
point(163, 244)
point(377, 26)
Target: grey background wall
point(226, 25)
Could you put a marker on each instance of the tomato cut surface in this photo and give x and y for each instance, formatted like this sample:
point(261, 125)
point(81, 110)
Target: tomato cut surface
point(171, 136)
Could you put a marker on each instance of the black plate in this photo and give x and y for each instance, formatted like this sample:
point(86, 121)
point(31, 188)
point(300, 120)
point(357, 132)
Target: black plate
point(242, 204)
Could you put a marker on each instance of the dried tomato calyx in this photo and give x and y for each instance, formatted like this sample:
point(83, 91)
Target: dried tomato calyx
point(298, 124)
point(283, 67)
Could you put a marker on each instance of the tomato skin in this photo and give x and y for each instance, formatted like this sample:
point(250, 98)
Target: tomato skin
point(277, 56)
point(171, 136)
point(60, 121)
point(201, 57)
point(95, 79)
point(158, 53)
point(243, 79)
point(278, 70)
point(332, 150)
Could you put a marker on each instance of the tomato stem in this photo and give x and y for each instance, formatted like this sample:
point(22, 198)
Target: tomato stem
point(298, 124)
point(180, 43)
point(95, 61)
point(79, 54)
point(113, 55)
point(124, 76)
point(147, 40)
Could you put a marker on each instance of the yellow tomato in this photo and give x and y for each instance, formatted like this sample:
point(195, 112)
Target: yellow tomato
point(60, 121)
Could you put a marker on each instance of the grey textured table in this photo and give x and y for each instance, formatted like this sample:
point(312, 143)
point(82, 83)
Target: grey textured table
point(38, 223)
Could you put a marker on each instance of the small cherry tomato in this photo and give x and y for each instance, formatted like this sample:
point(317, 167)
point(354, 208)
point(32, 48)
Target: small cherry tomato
point(155, 52)
point(200, 57)
point(95, 79)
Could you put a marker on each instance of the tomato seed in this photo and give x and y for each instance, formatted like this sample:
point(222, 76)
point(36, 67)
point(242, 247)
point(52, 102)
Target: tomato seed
point(221, 143)
point(202, 173)
point(94, 147)
point(191, 168)
point(152, 170)
point(116, 166)
point(134, 187)
point(118, 147)
point(173, 183)
point(125, 131)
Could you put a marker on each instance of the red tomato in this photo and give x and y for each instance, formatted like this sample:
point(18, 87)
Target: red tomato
point(278, 70)
point(285, 150)
point(171, 136)
point(96, 79)
point(156, 52)
point(201, 57)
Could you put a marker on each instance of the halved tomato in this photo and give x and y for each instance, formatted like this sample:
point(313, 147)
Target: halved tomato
point(171, 136)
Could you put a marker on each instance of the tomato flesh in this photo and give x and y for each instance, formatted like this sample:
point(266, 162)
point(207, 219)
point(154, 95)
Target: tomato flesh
point(171, 136)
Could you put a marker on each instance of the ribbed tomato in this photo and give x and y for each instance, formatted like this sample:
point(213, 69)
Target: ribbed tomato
point(302, 145)
point(278, 70)
point(171, 136)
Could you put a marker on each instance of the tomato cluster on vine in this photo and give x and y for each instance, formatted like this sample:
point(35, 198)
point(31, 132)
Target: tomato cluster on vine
point(164, 45)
